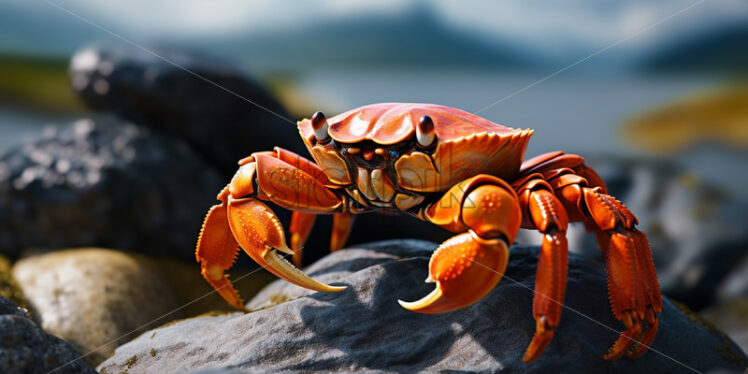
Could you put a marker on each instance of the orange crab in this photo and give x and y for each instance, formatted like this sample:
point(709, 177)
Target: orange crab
point(453, 169)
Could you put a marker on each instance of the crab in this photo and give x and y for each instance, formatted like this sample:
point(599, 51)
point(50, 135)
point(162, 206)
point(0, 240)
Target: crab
point(451, 168)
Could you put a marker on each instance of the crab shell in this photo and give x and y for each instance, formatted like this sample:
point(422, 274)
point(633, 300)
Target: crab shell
point(467, 145)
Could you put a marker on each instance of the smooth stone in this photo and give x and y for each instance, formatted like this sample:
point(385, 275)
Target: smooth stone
point(26, 348)
point(108, 183)
point(363, 327)
point(96, 299)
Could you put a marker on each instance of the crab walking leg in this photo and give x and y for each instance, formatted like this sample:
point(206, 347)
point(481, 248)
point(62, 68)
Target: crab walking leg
point(549, 217)
point(469, 265)
point(632, 281)
point(301, 226)
point(217, 252)
point(342, 223)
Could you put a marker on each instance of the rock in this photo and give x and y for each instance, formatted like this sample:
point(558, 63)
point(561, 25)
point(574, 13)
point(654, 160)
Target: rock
point(107, 183)
point(7, 307)
point(8, 286)
point(194, 295)
point(731, 316)
point(95, 298)
point(26, 348)
point(196, 100)
point(363, 328)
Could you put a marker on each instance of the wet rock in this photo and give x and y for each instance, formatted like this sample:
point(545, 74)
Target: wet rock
point(107, 183)
point(698, 233)
point(26, 348)
point(363, 328)
point(96, 299)
point(213, 106)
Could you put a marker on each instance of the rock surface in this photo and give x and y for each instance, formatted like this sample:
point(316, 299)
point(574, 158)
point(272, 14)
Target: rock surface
point(104, 183)
point(363, 328)
point(96, 299)
point(8, 286)
point(148, 90)
point(731, 316)
point(26, 348)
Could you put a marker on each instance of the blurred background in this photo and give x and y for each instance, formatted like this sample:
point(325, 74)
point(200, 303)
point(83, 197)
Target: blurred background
point(653, 94)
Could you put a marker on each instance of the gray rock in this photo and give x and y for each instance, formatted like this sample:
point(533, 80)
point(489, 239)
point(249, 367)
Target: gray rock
point(363, 328)
point(105, 183)
point(152, 91)
point(731, 316)
point(95, 299)
point(8, 308)
point(26, 348)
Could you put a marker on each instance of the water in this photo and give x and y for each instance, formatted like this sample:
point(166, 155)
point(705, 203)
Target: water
point(17, 126)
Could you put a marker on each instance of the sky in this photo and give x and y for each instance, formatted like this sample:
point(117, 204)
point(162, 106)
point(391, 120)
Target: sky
point(557, 32)
point(556, 27)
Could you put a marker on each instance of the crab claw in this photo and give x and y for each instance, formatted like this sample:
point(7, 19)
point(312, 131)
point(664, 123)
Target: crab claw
point(465, 268)
point(260, 234)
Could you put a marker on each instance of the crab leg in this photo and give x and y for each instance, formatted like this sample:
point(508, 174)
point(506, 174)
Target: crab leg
point(342, 223)
point(632, 281)
point(549, 217)
point(468, 266)
point(301, 227)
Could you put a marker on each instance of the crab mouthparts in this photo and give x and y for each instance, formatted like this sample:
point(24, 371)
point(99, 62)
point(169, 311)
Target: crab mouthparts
point(375, 185)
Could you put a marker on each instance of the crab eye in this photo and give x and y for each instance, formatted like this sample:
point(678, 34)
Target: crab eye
point(319, 124)
point(425, 133)
point(394, 155)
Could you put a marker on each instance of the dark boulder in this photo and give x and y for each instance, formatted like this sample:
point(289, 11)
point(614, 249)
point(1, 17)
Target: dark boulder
point(26, 348)
point(212, 105)
point(363, 328)
point(104, 183)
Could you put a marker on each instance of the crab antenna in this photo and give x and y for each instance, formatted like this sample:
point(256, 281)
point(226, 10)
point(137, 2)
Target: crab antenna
point(319, 124)
point(425, 133)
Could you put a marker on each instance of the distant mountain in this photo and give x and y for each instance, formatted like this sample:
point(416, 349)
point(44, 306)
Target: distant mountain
point(417, 38)
point(722, 50)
